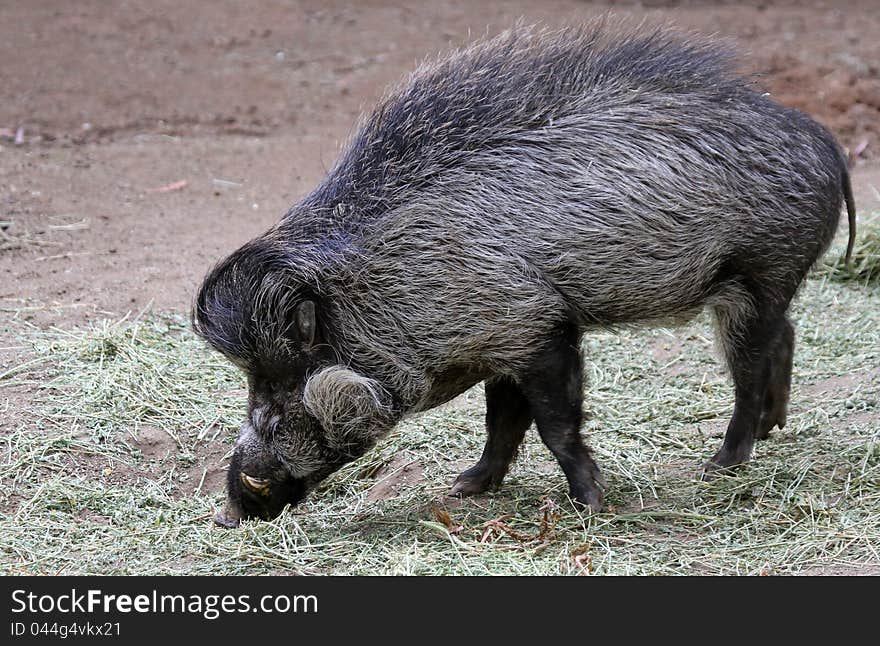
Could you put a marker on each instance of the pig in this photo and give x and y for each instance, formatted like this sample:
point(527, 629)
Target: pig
point(493, 208)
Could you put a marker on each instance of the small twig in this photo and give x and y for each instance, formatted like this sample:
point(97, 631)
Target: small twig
point(201, 482)
point(857, 151)
point(11, 242)
point(204, 516)
point(73, 226)
point(69, 254)
point(40, 308)
point(173, 186)
point(225, 182)
point(22, 366)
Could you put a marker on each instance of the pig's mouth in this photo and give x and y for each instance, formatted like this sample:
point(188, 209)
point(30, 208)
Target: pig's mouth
point(257, 498)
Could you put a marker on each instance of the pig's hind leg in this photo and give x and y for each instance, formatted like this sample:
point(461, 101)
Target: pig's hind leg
point(775, 410)
point(507, 419)
point(755, 336)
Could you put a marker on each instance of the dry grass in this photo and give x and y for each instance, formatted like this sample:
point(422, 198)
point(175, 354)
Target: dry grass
point(865, 266)
point(82, 494)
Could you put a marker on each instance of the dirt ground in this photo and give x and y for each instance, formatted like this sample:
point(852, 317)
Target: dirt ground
point(247, 104)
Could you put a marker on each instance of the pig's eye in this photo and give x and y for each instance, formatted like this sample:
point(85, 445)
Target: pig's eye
point(259, 486)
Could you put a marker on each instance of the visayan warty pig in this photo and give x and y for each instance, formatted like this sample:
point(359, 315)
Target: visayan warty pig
point(490, 210)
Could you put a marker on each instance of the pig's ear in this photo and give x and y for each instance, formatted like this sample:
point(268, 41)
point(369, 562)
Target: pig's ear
point(306, 322)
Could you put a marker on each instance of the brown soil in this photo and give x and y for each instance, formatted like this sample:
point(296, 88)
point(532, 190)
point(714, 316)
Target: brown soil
point(246, 103)
point(205, 471)
point(154, 443)
point(402, 472)
point(141, 142)
point(841, 384)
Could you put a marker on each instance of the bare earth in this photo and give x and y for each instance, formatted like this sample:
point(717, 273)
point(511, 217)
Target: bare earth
point(248, 106)
point(142, 142)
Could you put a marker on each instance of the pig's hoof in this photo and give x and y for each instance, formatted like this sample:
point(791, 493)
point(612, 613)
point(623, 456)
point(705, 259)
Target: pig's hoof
point(471, 483)
point(768, 421)
point(726, 461)
point(720, 465)
point(712, 471)
point(588, 496)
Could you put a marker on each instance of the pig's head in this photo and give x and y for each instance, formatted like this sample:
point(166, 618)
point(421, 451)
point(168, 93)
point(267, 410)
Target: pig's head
point(257, 483)
point(296, 435)
point(307, 413)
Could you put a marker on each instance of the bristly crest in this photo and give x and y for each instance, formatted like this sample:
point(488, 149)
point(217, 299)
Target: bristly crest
point(489, 94)
point(244, 308)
